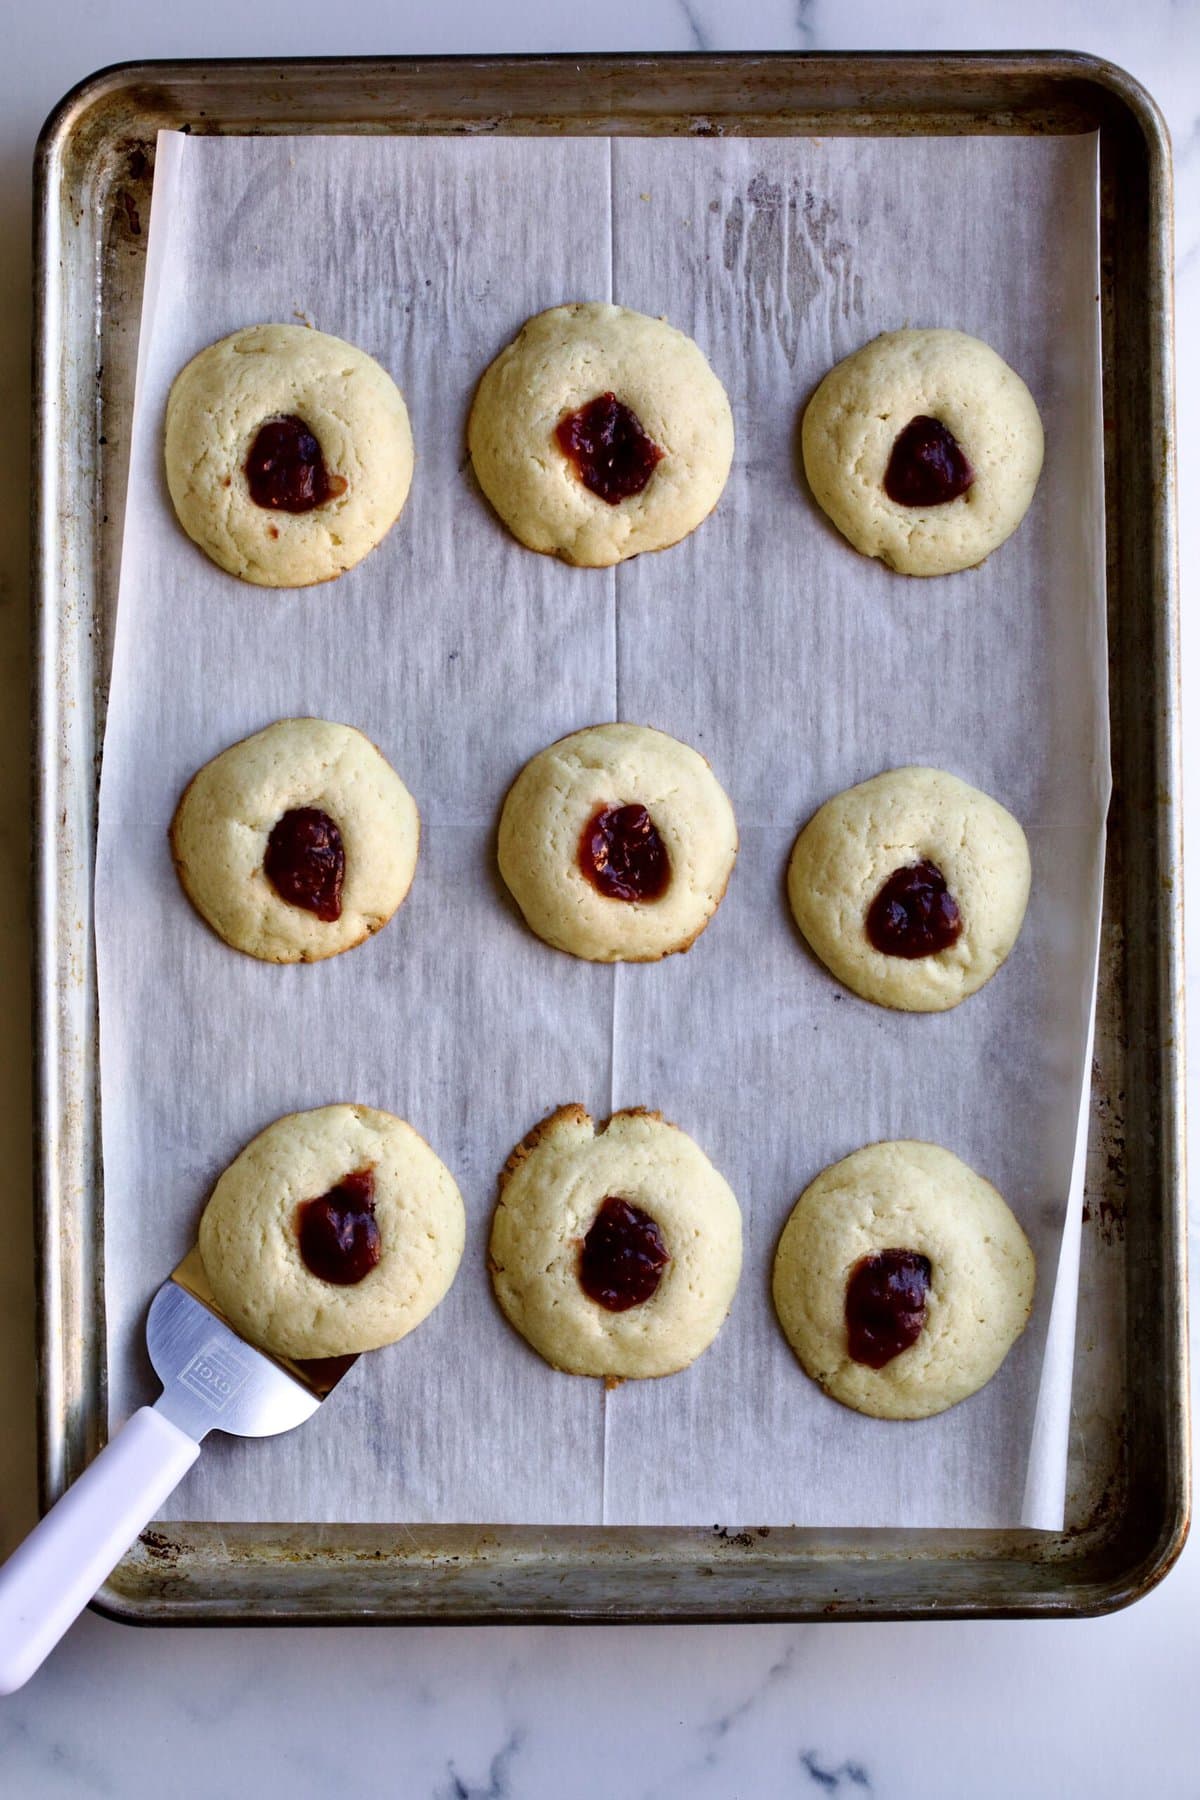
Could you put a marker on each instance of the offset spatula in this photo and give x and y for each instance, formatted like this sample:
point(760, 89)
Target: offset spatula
point(212, 1380)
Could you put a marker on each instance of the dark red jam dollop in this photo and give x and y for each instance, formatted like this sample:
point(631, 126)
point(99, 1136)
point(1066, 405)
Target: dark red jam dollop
point(623, 1256)
point(927, 466)
point(613, 456)
point(339, 1239)
point(324, 1372)
point(885, 1305)
point(286, 470)
point(914, 913)
point(622, 854)
point(305, 862)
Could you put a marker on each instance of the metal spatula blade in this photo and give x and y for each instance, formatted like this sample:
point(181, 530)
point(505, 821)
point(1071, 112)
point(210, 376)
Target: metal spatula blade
point(213, 1380)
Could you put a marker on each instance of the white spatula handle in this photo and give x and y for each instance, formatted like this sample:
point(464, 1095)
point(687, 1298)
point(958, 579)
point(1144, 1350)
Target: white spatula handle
point(49, 1579)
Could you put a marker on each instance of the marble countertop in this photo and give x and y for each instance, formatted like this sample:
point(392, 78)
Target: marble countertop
point(1100, 1707)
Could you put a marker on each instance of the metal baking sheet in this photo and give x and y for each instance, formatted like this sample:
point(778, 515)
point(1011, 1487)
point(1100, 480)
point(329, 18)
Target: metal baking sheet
point(95, 158)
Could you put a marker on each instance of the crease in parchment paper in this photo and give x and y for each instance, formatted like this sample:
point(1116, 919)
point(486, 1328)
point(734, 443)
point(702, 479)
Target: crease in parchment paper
point(794, 665)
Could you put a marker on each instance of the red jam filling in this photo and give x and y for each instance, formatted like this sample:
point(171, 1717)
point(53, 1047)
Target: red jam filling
point(286, 470)
point(621, 854)
point(305, 862)
point(612, 455)
point(339, 1239)
point(914, 913)
point(623, 1256)
point(885, 1305)
point(927, 466)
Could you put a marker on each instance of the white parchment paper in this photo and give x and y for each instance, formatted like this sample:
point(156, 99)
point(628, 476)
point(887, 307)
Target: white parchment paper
point(795, 665)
